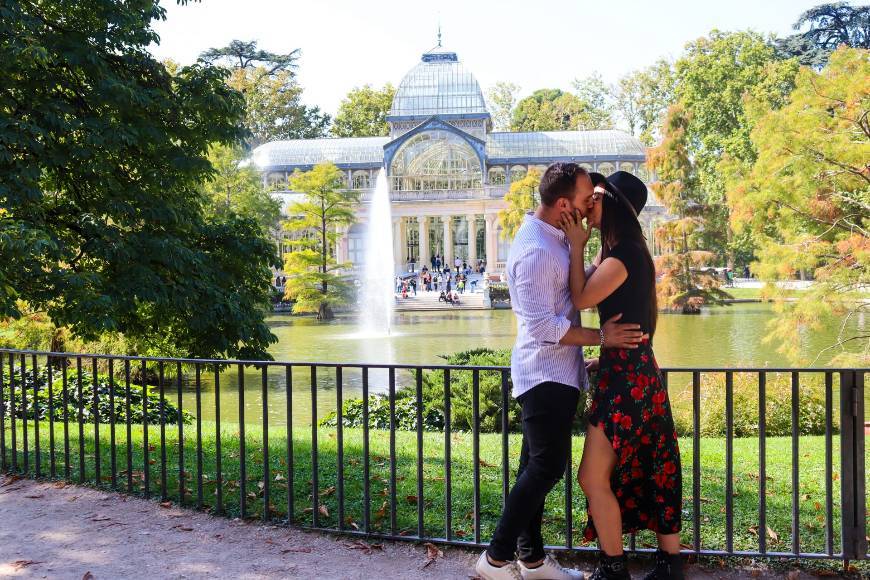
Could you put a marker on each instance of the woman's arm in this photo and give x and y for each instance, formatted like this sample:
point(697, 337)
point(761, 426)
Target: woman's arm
point(607, 278)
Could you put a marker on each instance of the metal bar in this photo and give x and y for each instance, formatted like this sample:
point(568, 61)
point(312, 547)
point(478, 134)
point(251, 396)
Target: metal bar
point(12, 411)
point(162, 414)
point(66, 450)
point(419, 401)
point(183, 476)
point(392, 395)
point(37, 456)
point(113, 458)
point(128, 422)
point(81, 412)
point(3, 465)
point(795, 464)
point(52, 456)
point(146, 451)
point(243, 471)
point(505, 466)
point(829, 465)
point(288, 380)
point(448, 484)
point(366, 466)
point(339, 436)
point(96, 415)
point(315, 484)
point(696, 461)
point(729, 462)
point(219, 508)
point(475, 449)
point(22, 364)
point(852, 484)
point(198, 379)
point(264, 394)
point(762, 462)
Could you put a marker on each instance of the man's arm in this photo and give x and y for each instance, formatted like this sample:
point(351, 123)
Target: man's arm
point(533, 281)
point(616, 335)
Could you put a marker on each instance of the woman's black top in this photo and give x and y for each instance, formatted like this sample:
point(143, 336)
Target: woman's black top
point(632, 298)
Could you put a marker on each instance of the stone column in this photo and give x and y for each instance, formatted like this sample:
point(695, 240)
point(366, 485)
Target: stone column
point(448, 239)
point(397, 242)
point(341, 253)
point(491, 241)
point(472, 240)
point(423, 239)
point(403, 243)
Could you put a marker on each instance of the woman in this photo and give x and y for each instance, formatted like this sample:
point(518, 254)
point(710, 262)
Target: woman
point(630, 470)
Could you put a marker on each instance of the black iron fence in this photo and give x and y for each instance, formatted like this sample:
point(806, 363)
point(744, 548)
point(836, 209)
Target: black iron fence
point(789, 482)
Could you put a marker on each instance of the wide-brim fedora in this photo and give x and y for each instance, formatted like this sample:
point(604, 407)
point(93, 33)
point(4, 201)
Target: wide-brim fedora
point(629, 185)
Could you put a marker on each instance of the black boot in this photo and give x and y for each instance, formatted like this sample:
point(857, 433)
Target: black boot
point(611, 568)
point(668, 567)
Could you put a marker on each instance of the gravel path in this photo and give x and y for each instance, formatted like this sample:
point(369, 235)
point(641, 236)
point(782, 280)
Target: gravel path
point(54, 530)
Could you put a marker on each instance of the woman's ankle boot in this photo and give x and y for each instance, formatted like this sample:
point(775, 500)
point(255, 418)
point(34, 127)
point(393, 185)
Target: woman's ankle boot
point(668, 567)
point(611, 568)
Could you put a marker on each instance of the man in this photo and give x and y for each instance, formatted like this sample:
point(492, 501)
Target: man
point(547, 371)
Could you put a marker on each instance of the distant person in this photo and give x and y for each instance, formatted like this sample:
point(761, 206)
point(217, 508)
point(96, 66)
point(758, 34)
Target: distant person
point(442, 297)
point(746, 272)
point(456, 263)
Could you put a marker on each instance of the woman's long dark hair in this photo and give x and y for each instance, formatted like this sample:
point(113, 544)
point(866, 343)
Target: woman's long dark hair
point(619, 224)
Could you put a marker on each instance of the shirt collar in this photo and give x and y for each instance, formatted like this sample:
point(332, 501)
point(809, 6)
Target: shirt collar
point(546, 228)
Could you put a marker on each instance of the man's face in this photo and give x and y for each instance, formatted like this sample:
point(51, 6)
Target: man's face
point(582, 199)
point(593, 218)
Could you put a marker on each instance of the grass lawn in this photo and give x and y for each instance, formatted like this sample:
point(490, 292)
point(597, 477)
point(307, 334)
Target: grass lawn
point(811, 487)
point(743, 293)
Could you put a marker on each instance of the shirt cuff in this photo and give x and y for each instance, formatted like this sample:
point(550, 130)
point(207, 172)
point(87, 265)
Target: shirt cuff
point(561, 325)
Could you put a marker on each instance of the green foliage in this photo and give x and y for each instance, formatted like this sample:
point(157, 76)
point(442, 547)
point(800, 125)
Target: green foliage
point(811, 406)
point(243, 55)
point(555, 110)
point(107, 409)
point(500, 100)
point(806, 200)
point(363, 112)
point(642, 97)
point(831, 25)
point(499, 292)
point(598, 98)
point(238, 189)
point(522, 198)
point(103, 152)
point(315, 280)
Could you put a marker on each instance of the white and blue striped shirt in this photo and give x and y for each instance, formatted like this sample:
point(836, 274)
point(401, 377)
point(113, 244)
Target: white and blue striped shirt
point(537, 275)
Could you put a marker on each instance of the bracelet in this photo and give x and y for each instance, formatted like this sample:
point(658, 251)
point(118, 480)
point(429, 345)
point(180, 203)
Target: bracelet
point(601, 334)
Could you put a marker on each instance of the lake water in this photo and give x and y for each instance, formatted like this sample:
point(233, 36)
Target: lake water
point(723, 336)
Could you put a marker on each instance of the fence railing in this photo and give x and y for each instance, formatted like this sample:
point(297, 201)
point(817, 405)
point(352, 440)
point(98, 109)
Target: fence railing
point(411, 467)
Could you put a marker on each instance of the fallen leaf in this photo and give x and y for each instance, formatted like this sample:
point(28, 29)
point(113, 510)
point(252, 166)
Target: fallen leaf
point(328, 491)
point(411, 499)
point(432, 553)
point(88, 576)
point(483, 463)
point(20, 564)
point(35, 496)
point(166, 504)
point(366, 548)
point(772, 535)
point(323, 510)
point(793, 574)
point(302, 550)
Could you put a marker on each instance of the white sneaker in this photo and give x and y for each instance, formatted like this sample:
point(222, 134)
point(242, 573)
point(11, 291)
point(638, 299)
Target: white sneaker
point(489, 572)
point(550, 570)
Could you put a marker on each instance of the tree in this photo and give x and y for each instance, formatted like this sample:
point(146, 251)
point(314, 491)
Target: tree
point(806, 200)
point(642, 98)
point(684, 285)
point(273, 97)
point(102, 154)
point(314, 279)
point(236, 187)
point(714, 77)
point(239, 54)
point(555, 110)
point(521, 198)
point(831, 25)
point(598, 97)
point(363, 112)
point(501, 99)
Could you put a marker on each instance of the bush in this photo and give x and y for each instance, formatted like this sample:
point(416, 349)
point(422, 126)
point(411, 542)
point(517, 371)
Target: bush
point(498, 292)
point(811, 406)
point(461, 391)
point(42, 408)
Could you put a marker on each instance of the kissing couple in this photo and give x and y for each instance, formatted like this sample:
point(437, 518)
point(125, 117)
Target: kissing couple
point(630, 470)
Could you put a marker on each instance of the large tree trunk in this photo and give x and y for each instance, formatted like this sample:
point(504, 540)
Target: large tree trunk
point(325, 312)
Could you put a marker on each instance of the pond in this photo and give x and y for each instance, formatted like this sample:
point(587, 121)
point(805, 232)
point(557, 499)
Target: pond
point(723, 336)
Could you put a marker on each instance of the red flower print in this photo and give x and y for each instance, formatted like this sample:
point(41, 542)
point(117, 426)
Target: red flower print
point(617, 399)
point(637, 393)
point(630, 367)
point(617, 417)
point(644, 358)
point(625, 421)
point(660, 479)
point(670, 468)
point(617, 368)
point(645, 439)
point(643, 381)
point(659, 397)
point(623, 354)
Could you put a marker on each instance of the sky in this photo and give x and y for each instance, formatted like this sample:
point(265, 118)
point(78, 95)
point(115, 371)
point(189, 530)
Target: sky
point(532, 43)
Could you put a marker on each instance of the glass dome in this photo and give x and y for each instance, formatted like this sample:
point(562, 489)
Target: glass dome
point(435, 160)
point(561, 144)
point(439, 85)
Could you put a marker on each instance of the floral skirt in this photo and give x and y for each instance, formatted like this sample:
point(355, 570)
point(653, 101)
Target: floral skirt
point(631, 404)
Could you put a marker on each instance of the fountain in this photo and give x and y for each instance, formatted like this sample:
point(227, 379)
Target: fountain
point(377, 300)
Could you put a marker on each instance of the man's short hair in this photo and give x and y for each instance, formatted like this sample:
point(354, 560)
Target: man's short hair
point(559, 180)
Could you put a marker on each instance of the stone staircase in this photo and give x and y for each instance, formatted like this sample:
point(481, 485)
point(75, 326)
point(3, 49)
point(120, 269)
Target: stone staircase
point(429, 301)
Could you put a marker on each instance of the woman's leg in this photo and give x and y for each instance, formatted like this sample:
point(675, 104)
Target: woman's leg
point(670, 543)
point(596, 466)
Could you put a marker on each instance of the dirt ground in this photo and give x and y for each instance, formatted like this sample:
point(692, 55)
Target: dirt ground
point(53, 530)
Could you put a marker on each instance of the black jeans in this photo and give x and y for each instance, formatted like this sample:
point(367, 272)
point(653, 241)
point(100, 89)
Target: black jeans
point(548, 410)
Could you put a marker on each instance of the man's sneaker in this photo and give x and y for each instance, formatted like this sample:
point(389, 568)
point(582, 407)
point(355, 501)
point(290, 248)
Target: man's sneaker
point(489, 572)
point(550, 570)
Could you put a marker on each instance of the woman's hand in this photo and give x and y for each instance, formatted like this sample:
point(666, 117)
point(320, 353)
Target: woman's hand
point(575, 230)
point(592, 365)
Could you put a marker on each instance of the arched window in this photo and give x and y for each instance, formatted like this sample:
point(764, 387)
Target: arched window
point(642, 172)
point(497, 176)
point(356, 236)
point(518, 172)
point(626, 167)
point(539, 168)
point(435, 160)
point(277, 179)
point(361, 180)
point(606, 168)
point(586, 166)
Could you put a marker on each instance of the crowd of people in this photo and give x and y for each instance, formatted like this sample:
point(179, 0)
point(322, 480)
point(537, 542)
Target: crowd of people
point(439, 276)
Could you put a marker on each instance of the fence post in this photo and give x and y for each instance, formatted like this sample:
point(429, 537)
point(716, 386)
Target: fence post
point(852, 489)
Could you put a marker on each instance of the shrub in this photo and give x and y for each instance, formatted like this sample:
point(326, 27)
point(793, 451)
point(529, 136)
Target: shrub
point(498, 292)
point(42, 407)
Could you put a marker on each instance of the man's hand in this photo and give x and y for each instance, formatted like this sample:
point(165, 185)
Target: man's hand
point(575, 229)
point(592, 365)
point(622, 335)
